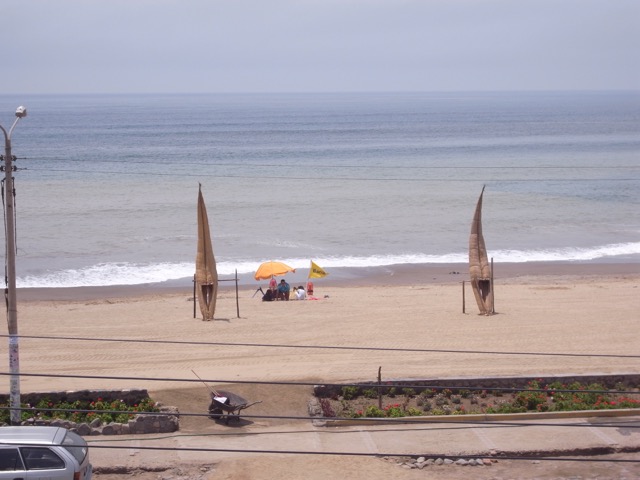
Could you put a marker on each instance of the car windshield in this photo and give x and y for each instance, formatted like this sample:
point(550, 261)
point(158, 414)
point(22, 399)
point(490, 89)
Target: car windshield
point(76, 446)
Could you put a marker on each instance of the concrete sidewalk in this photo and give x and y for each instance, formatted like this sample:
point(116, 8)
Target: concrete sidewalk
point(543, 437)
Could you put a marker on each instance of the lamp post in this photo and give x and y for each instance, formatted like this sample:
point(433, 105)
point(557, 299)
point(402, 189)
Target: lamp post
point(10, 292)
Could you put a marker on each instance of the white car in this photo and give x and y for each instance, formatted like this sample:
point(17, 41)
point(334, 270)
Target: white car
point(43, 452)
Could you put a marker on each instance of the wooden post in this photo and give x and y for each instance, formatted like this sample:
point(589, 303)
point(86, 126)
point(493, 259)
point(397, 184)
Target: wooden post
point(380, 388)
point(493, 297)
point(463, 306)
point(237, 296)
point(194, 296)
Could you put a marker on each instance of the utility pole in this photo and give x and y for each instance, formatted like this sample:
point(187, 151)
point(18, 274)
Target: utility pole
point(10, 291)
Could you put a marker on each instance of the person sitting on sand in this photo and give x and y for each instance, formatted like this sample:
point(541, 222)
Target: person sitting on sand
point(273, 286)
point(283, 290)
point(268, 296)
point(300, 293)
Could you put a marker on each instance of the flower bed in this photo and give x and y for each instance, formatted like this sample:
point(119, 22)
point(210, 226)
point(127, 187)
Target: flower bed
point(535, 396)
point(95, 412)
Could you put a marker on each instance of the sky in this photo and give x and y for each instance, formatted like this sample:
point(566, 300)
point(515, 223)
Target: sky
point(202, 46)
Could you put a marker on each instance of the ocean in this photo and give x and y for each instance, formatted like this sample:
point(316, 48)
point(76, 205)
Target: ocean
point(107, 185)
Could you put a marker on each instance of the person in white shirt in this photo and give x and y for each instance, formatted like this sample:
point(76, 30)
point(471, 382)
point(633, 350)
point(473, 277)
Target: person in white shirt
point(300, 293)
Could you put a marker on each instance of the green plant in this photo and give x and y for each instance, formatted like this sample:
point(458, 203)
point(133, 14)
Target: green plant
point(374, 412)
point(370, 393)
point(413, 412)
point(429, 393)
point(394, 411)
point(441, 400)
point(409, 392)
point(349, 392)
point(465, 393)
point(506, 407)
point(530, 399)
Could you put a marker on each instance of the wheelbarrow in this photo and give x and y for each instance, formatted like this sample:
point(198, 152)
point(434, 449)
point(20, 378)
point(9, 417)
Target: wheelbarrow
point(227, 406)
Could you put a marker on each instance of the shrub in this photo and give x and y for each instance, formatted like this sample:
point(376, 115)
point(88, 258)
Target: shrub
point(465, 393)
point(374, 412)
point(370, 393)
point(429, 393)
point(413, 412)
point(409, 392)
point(349, 392)
point(394, 411)
point(505, 407)
point(441, 400)
point(529, 400)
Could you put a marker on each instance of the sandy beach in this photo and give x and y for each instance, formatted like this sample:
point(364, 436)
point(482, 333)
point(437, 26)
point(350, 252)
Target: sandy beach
point(406, 320)
point(562, 309)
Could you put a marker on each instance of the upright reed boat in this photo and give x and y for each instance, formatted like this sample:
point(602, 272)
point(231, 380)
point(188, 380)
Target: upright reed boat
point(206, 273)
point(479, 267)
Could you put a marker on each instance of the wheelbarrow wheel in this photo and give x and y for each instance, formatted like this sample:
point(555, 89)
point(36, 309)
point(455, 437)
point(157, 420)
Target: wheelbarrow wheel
point(215, 413)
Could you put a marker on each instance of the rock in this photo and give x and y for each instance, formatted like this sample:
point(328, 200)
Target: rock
point(486, 461)
point(95, 423)
point(420, 460)
point(439, 461)
point(461, 461)
point(448, 461)
point(83, 429)
point(109, 430)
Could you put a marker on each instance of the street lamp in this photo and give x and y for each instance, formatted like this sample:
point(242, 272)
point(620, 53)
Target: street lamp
point(10, 292)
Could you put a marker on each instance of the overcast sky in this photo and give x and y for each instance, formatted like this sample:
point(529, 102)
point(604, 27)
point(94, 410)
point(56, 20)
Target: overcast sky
point(191, 46)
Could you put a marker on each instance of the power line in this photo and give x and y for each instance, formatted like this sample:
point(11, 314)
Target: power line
point(293, 383)
point(423, 420)
point(325, 347)
point(534, 455)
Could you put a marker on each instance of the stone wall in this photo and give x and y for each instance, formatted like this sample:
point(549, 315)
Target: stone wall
point(165, 421)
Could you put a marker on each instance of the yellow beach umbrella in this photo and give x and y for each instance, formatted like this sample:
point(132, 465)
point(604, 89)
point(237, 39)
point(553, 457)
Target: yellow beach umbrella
point(272, 269)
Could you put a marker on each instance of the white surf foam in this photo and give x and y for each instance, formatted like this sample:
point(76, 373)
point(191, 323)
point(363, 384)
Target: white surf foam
point(107, 274)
